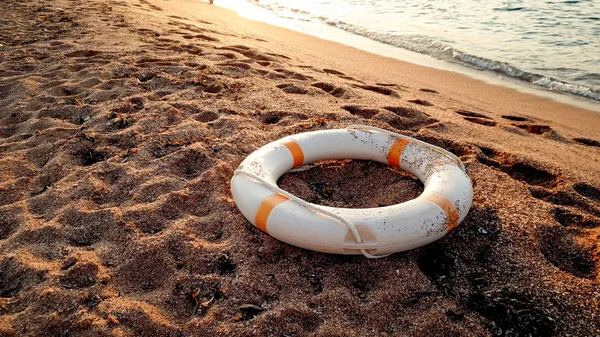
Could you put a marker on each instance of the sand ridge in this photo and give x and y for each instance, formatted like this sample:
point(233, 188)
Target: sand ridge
point(121, 123)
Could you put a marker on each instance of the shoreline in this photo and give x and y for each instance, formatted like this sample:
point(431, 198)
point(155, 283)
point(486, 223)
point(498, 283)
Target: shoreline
point(457, 86)
point(123, 121)
point(386, 50)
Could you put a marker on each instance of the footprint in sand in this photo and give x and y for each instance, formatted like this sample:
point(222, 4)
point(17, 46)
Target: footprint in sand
point(204, 37)
point(79, 275)
point(379, 90)
point(166, 40)
point(477, 118)
point(274, 117)
point(581, 195)
point(360, 111)
point(570, 249)
point(147, 32)
point(566, 196)
point(230, 56)
point(191, 49)
point(18, 275)
point(341, 75)
point(151, 5)
point(588, 191)
point(84, 53)
point(334, 72)
point(252, 54)
point(517, 118)
point(292, 74)
point(11, 218)
point(88, 155)
point(190, 32)
point(481, 121)
point(529, 125)
point(350, 78)
point(69, 113)
point(292, 88)
point(330, 89)
point(587, 141)
point(526, 124)
point(536, 129)
point(409, 118)
point(279, 56)
point(529, 173)
point(571, 246)
point(569, 217)
point(235, 69)
point(420, 102)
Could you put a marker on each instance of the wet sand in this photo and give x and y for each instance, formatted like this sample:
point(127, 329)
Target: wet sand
point(121, 123)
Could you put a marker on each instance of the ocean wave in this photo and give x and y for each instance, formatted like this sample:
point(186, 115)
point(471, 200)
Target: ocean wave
point(536, 79)
point(428, 46)
point(445, 52)
point(570, 88)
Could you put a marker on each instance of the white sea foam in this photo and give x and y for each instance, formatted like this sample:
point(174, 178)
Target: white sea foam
point(552, 45)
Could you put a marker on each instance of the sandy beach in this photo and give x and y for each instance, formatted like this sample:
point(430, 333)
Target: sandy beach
point(121, 123)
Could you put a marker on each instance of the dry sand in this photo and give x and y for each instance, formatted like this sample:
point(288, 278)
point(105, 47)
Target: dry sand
point(121, 123)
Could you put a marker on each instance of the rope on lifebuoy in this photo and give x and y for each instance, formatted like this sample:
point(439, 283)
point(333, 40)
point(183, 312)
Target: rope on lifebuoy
point(312, 207)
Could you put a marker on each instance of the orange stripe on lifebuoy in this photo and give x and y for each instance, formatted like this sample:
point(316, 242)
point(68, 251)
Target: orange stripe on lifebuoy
point(447, 206)
point(265, 209)
point(296, 152)
point(396, 152)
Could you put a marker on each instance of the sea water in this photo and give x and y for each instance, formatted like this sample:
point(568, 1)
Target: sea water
point(553, 45)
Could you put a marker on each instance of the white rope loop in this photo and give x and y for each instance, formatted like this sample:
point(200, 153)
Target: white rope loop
point(312, 207)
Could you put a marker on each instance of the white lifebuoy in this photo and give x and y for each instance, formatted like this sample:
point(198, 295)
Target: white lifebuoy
point(444, 203)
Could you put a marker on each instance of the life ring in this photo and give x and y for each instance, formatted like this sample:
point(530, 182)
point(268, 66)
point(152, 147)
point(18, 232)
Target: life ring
point(373, 232)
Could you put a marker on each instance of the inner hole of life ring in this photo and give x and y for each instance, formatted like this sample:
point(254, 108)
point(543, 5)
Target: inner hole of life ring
point(351, 184)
